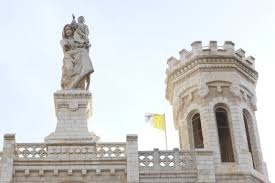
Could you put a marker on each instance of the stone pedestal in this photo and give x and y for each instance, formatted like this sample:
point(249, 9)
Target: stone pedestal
point(6, 164)
point(132, 159)
point(73, 109)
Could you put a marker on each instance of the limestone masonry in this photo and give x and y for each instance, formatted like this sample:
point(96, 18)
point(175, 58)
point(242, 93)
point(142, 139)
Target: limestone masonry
point(212, 93)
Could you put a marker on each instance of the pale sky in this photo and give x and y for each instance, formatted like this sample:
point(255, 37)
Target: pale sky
point(131, 41)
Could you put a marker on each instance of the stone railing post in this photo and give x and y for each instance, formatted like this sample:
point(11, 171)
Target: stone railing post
point(177, 159)
point(156, 159)
point(132, 159)
point(6, 171)
point(205, 166)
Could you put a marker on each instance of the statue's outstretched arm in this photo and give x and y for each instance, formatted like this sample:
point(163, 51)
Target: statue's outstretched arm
point(73, 23)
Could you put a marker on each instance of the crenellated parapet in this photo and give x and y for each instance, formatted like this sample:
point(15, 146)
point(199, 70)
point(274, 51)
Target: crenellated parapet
point(228, 49)
point(208, 58)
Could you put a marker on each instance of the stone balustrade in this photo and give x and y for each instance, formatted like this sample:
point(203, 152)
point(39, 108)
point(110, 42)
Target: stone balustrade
point(170, 160)
point(111, 150)
point(31, 151)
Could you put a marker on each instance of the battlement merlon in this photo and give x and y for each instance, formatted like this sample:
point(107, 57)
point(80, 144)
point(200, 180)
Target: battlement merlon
point(211, 57)
point(228, 49)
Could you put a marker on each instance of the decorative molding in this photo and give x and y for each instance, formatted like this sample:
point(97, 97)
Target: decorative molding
point(185, 69)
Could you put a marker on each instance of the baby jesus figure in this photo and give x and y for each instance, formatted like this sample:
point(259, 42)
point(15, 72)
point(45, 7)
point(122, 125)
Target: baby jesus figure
point(81, 33)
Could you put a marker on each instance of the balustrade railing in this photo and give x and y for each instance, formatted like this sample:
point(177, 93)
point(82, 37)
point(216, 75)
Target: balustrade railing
point(166, 160)
point(99, 150)
point(111, 150)
point(31, 151)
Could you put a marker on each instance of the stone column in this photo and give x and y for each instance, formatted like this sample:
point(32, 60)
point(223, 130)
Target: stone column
point(132, 159)
point(73, 109)
point(205, 166)
point(7, 158)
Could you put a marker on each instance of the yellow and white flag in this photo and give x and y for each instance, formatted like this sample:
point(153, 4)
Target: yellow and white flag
point(156, 120)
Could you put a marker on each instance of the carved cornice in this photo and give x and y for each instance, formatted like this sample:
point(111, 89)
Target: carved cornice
point(72, 100)
point(74, 94)
point(9, 136)
point(212, 63)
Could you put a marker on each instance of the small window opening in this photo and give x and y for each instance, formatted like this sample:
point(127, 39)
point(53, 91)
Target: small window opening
point(226, 147)
point(248, 138)
point(197, 131)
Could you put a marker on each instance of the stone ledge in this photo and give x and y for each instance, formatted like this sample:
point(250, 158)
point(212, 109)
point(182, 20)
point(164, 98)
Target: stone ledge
point(242, 175)
point(9, 136)
point(132, 137)
point(54, 138)
point(72, 92)
point(69, 171)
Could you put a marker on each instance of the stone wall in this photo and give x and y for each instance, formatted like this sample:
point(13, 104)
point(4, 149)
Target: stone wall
point(111, 163)
point(71, 177)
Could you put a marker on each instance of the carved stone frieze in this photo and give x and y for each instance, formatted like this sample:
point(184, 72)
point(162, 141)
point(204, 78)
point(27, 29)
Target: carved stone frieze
point(207, 64)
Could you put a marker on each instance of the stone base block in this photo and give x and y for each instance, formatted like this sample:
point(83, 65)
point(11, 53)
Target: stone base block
point(73, 109)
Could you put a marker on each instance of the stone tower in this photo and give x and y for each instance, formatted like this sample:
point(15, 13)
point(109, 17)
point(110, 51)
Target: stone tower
point(212, 93)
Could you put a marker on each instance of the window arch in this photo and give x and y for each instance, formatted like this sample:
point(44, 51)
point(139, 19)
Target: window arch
point(247, 120)
point(197, 131)
point(226, 148)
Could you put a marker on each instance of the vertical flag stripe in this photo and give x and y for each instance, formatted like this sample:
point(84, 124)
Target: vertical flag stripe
point(156, 120)
point(159, 122)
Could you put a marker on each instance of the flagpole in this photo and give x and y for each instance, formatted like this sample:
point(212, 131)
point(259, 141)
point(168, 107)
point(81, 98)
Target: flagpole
point(165, 132)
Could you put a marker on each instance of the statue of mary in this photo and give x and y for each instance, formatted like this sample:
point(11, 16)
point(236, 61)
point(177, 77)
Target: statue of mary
point(77, 65)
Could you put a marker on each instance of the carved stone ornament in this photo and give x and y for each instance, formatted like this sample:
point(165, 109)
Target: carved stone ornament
point(77, 65)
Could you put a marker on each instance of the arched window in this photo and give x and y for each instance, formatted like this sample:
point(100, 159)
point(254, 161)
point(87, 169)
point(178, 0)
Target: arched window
point(245, 118)
point(197, 131)
point(226, 147)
